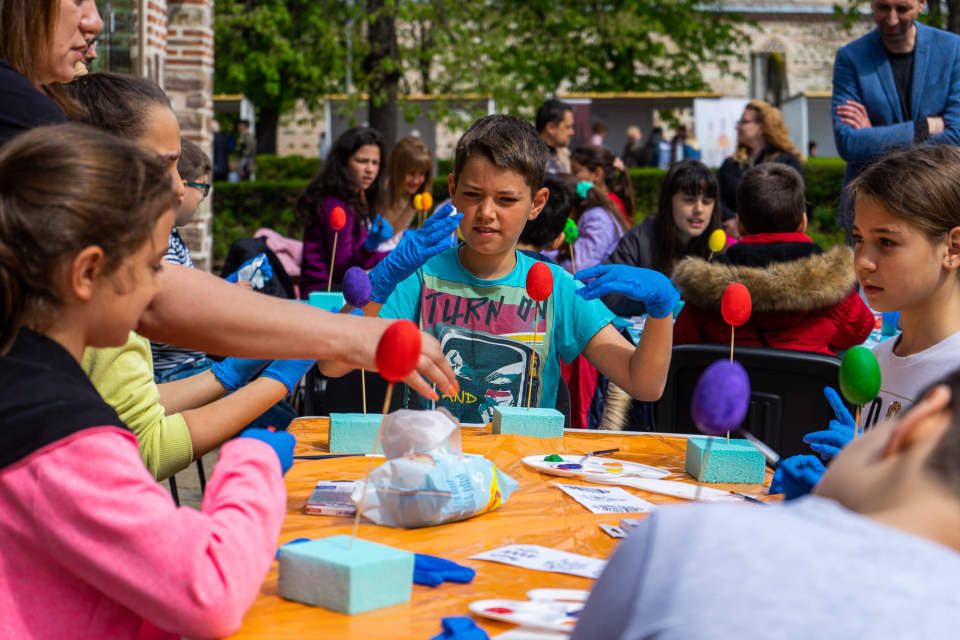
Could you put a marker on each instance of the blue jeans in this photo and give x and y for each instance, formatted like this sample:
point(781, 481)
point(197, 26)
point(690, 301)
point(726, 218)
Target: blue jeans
point(279, 416)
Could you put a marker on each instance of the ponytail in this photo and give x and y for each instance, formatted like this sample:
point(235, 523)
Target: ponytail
point(616, 181)
point(622, 186)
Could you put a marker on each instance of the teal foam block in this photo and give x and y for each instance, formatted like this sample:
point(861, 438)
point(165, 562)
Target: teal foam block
point(324, 573)
point(538, 423)
point(328, 301)
point(736, 463)
point(354, 432)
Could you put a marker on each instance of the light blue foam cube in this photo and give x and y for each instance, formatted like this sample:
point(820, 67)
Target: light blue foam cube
point(354, 432)
point(327, 573)
point(736, 463)
point(538, 423)
point(327, 301)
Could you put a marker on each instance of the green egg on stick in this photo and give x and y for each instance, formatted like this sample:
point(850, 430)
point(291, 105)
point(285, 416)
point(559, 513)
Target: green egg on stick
point(570, 235)
point(859, 379)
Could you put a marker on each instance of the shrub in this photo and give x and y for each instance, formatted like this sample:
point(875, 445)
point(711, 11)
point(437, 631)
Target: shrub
point(240, 208)
point(278, 168)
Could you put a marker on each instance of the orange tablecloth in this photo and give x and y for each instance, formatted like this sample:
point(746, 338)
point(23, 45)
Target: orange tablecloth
point(538, 513)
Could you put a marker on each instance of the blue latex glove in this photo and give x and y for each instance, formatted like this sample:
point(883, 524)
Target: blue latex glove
point(234, 373)
point(265, 269)
point(281, 441)
point(413, 252)
point(288, 372)
point(380, 232)
point(461, 629)
point(829, 443)
point(806, 469)
point(355, 312)
point(644, 285)
point(431, 571)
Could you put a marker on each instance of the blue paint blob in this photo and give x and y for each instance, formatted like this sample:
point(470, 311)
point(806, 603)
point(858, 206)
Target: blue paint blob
point(570, 466)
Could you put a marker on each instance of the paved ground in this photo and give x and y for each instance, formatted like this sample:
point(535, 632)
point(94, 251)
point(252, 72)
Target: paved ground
point(188, 481)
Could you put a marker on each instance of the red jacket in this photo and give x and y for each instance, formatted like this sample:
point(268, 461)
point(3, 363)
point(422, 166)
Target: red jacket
point(803, 298)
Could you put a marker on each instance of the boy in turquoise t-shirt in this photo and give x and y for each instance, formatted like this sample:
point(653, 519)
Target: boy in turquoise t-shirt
point(473, 297)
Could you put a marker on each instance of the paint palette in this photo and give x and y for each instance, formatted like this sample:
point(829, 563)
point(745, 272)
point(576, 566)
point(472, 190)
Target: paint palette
point(571, 467)
point(549, 609)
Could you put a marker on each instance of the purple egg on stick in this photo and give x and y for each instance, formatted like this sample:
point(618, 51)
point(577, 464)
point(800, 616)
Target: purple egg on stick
point(356, 287)
point(721, 398)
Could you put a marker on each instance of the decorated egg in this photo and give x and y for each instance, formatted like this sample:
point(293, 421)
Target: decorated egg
point(859, 376)
point(570, 231)
point(356, 287)
point(418, 201)
point(399, 350)
point(427, 200)
point(718, 240)
point(721, 398)
point(736, 305)
point(338, 218)
point(539, 282)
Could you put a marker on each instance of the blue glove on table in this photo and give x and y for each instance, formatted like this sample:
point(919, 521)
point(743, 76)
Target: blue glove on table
point(380, 232)
point(809, 469)
point(461, 629)
point(644, 285)
point(431, 571)
point(234, 373)
point(281, 441)
point(413, 252)
point(248, 271)
point(829, 443)
point(288, 372)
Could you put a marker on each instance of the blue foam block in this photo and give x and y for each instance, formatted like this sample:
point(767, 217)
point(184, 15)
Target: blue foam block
point(736, 463)
point(354, 432)
point(328, 301)
point(539, 423)
point(323, 573)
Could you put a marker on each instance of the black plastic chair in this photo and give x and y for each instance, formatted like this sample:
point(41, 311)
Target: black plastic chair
point(786, 402)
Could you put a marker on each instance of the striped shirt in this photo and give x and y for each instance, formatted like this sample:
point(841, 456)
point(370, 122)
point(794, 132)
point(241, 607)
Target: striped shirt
point(165, 356)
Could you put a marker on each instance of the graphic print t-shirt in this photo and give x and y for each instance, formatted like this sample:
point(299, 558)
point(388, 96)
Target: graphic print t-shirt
point(485, 328)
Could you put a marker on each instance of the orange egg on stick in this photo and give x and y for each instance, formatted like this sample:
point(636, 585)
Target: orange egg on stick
point(338, 220)
point(397, 356)
point(539, 288)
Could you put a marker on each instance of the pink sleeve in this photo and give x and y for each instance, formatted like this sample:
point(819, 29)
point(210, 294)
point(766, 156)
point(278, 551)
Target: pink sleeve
point(192, 573)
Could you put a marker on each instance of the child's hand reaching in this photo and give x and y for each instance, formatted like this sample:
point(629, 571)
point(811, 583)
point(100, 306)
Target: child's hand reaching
point(829, 443)
point(649, 287)
point(413, 252)
point(807, 469)
point(234, 373)
point(380, 232)
point(288, 372)
point(280, 441)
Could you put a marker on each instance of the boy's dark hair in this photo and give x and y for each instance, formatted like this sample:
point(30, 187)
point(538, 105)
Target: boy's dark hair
point(508, 142)
point(770, 199)
point(944, 460)
point(117, 102)
point(193, 163)
point(545, 228)
point(551, 111)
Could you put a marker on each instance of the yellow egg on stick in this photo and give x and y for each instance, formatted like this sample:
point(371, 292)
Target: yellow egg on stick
point(717, 241)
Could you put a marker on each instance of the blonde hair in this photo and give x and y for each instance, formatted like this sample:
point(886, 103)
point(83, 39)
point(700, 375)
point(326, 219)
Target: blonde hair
point(409, 154)
point(775, 133)
point(633, 132)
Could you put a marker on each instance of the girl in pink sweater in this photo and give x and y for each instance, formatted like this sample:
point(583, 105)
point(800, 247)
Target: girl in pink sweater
point(90, 545)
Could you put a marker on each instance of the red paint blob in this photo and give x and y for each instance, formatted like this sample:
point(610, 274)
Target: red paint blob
point(500, 610)
point(736, 304)
point(399, 351)
point(338, 218)
point(539, 282)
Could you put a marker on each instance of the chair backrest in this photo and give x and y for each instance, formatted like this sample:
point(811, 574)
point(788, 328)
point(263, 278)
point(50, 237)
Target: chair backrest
point(563, 403)
point(786, 402)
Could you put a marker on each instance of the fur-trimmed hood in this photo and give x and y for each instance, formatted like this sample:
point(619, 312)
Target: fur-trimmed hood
point(813, 282)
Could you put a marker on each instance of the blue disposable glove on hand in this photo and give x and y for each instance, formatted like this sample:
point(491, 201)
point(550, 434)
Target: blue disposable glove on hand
point(829, 443)
point(461, 629)
point(793, 473)
point(234, 373)
point(644, 285)
point(248, 272)
point(288, 372)
point(413, 252)
point(380, 232)
point(281, 441)
point(431, 571)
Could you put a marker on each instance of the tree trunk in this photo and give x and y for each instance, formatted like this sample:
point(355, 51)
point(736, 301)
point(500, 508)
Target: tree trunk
point(268, 119)
point(383, 68)
point(936, 16)
point(953, 16)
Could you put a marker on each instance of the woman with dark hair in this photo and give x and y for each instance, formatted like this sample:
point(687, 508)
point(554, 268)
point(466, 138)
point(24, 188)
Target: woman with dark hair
point(687, 215)
point(41, 41)
point(762, 136)
point(350, 178)
point(598, 165)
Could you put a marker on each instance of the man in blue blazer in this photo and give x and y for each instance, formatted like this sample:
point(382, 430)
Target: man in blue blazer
point(895, 86)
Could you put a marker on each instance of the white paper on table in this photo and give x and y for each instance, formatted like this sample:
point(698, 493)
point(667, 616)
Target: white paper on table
point(606, 499)
point(533, 556)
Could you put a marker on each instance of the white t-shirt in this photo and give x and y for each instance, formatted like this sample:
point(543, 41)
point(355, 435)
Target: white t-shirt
point(904, 379)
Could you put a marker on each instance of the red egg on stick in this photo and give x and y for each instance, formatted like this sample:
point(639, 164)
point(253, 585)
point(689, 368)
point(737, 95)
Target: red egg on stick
point(735, 307)
point(397, 357)
point(539, 288)
point(338, 220)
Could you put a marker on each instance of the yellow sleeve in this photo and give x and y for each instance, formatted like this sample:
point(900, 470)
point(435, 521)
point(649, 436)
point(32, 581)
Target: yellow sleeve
point(124, 377)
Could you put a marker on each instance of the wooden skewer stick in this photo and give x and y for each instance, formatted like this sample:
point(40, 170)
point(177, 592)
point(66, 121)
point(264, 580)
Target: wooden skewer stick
point(573, 258)
point(366, 482)
point(733, 330)
point(333, 257)
point(533, 356)
point(363, 383)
